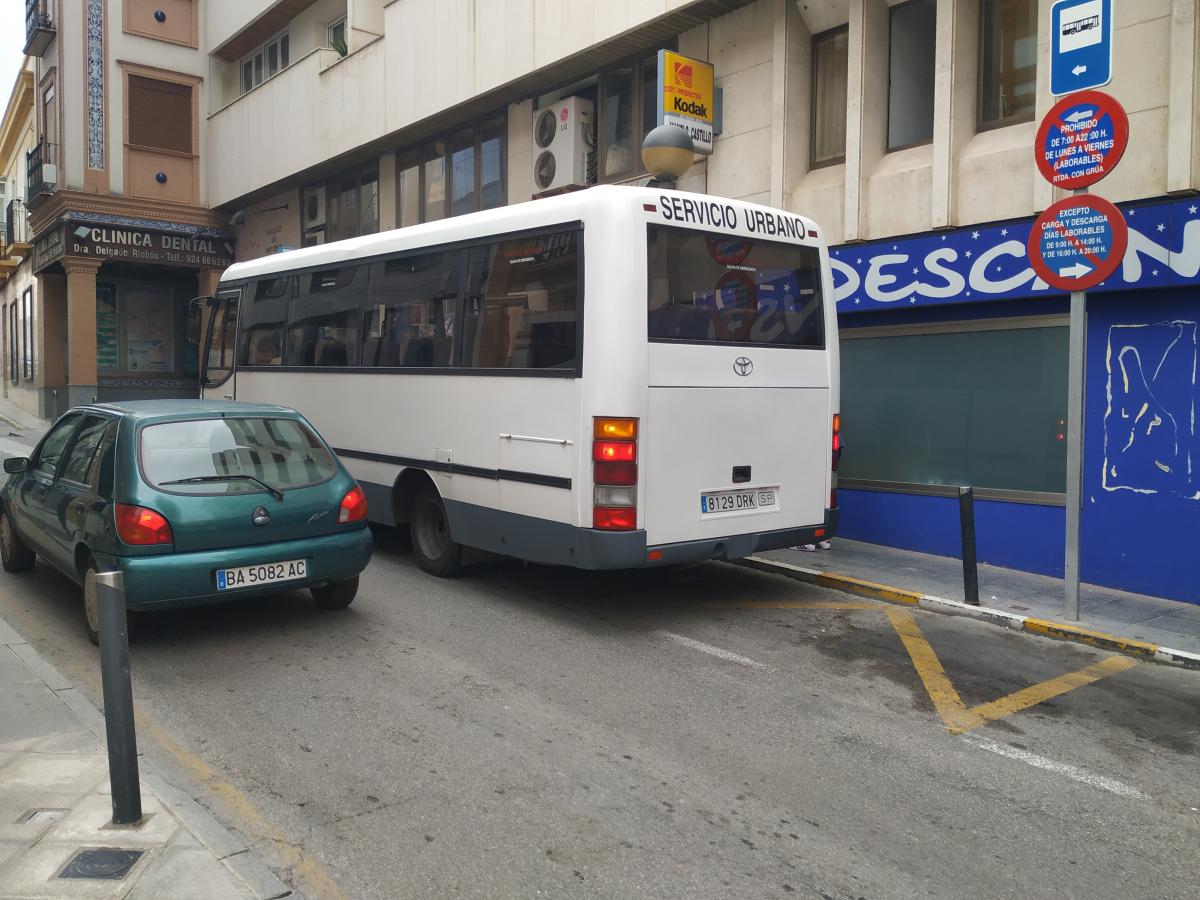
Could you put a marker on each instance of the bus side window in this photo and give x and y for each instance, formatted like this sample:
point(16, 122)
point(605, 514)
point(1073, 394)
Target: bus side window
point(522, 298)
point(325, 317)
point(263, 321)
point(409, 319)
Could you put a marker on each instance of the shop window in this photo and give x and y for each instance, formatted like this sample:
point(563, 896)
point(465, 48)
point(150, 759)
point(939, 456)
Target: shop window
point(14, 344)
point(160, 114)
point(1007, 61)
point(521, 303)
point(912, 51)
point(324, 318)
point(410, 314)
point(108, 334)
point(264, 319)
point(264, 61)
point(957, 405)
point(149, 329)
point(27, 334)
point(352, 204)
point(461, 173)
point(830, 66)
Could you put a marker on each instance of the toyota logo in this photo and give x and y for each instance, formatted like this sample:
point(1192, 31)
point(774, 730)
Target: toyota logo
point(743, 365)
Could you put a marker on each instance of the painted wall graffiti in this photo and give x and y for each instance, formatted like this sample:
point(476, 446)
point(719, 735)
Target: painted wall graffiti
point(971, 265)
point(1150, 418)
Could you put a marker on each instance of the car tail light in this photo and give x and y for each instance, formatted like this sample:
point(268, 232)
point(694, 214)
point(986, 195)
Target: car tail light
point(354, 506)
point(140, 526)
point(835, 456)
point(614, 474)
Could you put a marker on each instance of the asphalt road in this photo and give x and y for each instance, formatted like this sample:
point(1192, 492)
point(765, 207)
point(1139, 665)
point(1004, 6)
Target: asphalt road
point(706, 733)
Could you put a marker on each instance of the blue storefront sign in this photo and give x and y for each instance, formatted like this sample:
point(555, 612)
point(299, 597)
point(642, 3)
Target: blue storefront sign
point(988, 263)
point(1080, 45)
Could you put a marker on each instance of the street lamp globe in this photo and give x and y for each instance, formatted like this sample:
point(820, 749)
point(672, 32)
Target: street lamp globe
point(667, 153)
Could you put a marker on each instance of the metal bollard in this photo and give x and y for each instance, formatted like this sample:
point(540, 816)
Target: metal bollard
point(118, 699)
point(966, 519)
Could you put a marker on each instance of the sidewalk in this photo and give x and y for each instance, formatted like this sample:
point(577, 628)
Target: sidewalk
point(1126, 616)
point(19, 430)
point(55, 807)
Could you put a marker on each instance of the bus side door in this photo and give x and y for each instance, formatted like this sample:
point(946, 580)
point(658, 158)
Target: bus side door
point(218, 375)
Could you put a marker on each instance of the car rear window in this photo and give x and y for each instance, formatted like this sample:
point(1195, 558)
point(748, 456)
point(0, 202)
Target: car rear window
point(724, 289)
point(233, 455)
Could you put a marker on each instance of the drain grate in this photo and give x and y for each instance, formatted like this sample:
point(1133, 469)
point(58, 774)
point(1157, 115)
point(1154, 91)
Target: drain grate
point(41, 817)
point(109, 864)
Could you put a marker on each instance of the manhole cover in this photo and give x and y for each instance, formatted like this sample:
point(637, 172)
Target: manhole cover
point(41, 817)
point(107, 863)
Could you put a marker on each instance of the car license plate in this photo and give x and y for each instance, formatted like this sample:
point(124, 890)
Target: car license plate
point(267, 573)
point(747, 501)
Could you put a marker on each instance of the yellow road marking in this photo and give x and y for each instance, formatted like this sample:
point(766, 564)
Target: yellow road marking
point(867, 588)
point(1053, 687)
point(315, 881)
point(937, 684)
point(790, 604)
point(950, 706)
point(1087, 636)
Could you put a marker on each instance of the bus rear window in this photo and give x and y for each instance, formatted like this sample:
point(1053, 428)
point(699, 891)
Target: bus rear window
point(724, 289)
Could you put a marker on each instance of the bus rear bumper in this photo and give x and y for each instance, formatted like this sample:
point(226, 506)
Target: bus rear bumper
point(740, 545)
point(562, 544)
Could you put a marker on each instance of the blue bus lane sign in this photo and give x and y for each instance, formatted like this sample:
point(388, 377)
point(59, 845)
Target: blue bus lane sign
point(1078, 242)
point(1081, 45)
point(1081, 139)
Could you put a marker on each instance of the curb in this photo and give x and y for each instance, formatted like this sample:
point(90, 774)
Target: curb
point(221, 841)
point(1029, 624)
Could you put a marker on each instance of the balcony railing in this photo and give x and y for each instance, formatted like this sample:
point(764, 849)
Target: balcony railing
point(16, 228)
point(42, 169)
point(39, 27)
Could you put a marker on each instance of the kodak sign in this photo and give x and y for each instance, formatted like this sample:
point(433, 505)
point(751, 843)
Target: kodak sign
point(685, 97)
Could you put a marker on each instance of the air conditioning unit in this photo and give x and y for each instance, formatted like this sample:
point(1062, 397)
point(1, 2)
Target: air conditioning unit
point(565, 135)
point(49, 175)
point(314, 207)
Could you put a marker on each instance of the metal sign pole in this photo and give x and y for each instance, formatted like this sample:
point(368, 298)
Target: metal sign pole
point(1075, 373)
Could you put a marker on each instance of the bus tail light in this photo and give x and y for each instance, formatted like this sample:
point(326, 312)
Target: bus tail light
point(139, 526)
point(835, 456)
point(614, 474)
point(354, 506)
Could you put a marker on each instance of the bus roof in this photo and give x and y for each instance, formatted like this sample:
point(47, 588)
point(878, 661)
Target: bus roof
point(564, 208)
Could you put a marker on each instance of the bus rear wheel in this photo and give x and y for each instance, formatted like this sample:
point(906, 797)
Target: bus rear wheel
point(435, 551)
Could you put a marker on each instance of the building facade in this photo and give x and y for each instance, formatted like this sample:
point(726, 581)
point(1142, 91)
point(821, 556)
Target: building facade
point(116, 194)
point(18, 331)
point(905, 129)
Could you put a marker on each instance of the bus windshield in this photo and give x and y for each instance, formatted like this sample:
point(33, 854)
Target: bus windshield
point(725, 289)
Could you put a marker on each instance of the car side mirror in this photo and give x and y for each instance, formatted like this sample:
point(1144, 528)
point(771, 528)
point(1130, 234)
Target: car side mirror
point(15, 464)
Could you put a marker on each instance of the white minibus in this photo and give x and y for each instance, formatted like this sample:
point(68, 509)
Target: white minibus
point(612, 378)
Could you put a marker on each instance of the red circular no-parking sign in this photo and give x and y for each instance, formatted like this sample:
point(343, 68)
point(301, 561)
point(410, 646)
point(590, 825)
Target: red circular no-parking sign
point(1081, 139)
point(1078, 242)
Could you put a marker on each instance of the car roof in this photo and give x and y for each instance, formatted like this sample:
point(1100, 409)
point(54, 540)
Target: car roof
point(174, 410)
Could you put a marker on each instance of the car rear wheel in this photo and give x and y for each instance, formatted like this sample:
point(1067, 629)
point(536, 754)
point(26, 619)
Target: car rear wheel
point(14, 555)
point(436, 552)
point(336, 594)
point(91, 611)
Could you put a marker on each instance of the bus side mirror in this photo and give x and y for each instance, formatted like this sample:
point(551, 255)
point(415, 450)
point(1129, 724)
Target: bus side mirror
point(206, 300)
point(16, 464)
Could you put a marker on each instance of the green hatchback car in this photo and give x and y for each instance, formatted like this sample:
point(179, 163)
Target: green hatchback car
point(194, 501)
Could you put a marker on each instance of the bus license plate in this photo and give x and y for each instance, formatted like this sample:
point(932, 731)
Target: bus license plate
point(753, 500)
point(267, 573)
